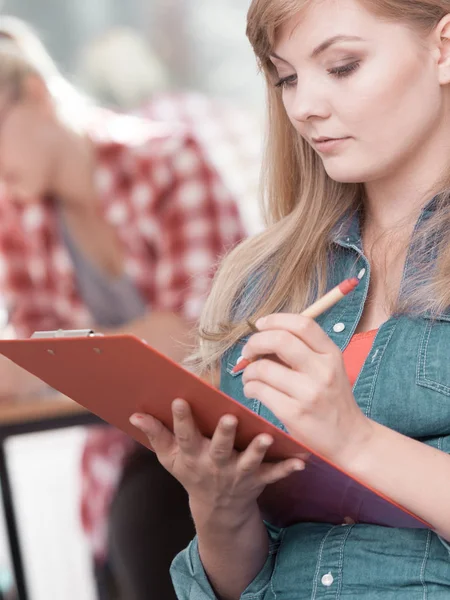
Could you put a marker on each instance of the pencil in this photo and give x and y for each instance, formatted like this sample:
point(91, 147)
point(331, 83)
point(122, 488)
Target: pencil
point(315, 310)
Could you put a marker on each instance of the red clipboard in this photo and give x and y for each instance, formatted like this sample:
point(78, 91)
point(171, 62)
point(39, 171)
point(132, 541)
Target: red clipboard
point(115, 376)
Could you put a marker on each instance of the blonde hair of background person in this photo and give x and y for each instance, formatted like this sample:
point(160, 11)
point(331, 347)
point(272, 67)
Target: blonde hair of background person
point(374, 76)
point(25, 54)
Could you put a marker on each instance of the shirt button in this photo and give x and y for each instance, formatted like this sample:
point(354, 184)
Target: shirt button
point(328, 580)
point(361, 274)
point(339, 328)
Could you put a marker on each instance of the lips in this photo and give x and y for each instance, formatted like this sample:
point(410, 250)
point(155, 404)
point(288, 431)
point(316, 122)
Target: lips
point(327, 145)
point(321, 140)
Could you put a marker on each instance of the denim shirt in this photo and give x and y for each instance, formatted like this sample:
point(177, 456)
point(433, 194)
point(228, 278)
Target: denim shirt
point(405, 385)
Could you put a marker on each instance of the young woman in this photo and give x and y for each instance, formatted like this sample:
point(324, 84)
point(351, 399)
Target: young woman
point(357, 183)
point(113, 223)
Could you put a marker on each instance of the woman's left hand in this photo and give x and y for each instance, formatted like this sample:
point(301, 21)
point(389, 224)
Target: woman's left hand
point(310, 391)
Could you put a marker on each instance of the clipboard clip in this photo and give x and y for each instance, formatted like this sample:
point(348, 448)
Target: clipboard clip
point(65, 333)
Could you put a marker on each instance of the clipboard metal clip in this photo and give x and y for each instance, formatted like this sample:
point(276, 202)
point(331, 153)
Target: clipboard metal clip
point(65, 333)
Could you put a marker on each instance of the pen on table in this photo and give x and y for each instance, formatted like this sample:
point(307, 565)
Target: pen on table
point(315, 310)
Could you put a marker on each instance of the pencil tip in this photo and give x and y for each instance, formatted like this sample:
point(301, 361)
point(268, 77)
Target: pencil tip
point(349, 285)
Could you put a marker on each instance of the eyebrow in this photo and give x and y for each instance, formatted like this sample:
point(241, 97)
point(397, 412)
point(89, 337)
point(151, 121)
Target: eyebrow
point(325, 45)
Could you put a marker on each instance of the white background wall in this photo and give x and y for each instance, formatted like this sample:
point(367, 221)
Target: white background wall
point(46, 485)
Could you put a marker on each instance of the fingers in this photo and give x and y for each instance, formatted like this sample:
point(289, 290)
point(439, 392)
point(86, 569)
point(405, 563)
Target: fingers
point(304, 328)
point(273, 375)
point(291, 350)
point(284, 407)
point(222, 443)
point(187, 435)
point(161, 439)
point(251, 459)
point(249, 463)
point(271, 473)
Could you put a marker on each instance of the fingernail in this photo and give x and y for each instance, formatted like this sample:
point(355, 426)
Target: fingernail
point(151, 425)
point(265, 442)
point(260, 322)
point(178, 405)
point(299, 467)
point(229, 421)
point(136, 419)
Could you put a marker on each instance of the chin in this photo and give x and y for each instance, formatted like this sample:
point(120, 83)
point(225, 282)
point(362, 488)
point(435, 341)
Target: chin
point(349, 174)
point(346, 177)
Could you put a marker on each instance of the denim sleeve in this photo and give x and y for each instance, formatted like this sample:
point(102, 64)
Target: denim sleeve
point(191, 582)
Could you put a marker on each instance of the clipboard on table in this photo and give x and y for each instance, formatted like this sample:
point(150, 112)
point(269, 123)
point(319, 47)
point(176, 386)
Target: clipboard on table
point(115, 376)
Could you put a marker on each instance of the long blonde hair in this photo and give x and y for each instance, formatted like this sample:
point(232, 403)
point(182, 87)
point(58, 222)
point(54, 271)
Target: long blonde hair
point(21, 54)
point(286, 266)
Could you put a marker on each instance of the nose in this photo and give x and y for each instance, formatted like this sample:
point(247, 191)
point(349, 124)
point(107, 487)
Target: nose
point(309, 103)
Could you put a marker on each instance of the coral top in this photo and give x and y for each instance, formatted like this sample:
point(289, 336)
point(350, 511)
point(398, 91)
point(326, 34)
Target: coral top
point(356, 353)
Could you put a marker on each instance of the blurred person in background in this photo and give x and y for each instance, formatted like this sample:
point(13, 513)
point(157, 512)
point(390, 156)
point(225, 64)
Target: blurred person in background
point(120, 69)
point(113, 223)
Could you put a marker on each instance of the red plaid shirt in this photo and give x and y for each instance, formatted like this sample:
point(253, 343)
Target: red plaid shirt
point(174, 219)
point(231, 137)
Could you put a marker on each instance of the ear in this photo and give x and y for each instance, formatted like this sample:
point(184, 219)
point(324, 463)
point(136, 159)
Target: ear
point(443, 39)
point(35, 91)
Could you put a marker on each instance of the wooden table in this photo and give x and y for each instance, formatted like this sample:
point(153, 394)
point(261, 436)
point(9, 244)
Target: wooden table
point(30, 415)
point(33, 409)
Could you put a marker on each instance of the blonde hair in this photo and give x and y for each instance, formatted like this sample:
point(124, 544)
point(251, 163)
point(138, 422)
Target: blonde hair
point(21, 54)
point(286, 266)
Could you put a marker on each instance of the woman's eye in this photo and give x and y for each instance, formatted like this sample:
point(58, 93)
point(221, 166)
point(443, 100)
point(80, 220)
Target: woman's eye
point(287, 82)
point(345, 70)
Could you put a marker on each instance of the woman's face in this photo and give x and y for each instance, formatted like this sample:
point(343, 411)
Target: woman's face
point(363, 92)
point(27, 148)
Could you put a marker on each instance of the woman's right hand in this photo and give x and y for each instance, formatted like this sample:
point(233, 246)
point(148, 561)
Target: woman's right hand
point(214, 474)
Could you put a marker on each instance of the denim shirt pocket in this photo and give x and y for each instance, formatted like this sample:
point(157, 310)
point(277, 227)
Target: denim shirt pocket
point(231, 384)
point(433, 368)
